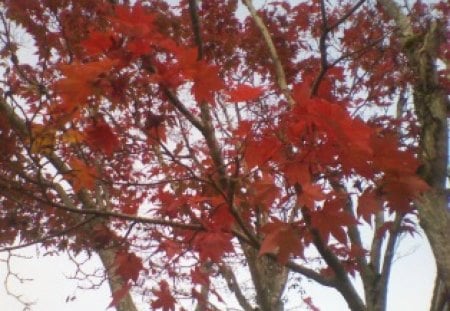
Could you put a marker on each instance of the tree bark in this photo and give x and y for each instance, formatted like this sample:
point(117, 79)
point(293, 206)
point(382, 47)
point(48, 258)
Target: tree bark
point(440, 301)
point(269, 279)
point(431, 106)
point(107, 256)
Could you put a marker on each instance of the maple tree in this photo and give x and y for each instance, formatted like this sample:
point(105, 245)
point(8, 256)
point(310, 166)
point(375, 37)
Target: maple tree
point(178, 141)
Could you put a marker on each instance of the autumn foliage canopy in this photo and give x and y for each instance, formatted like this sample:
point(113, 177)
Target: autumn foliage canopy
point(184, 142)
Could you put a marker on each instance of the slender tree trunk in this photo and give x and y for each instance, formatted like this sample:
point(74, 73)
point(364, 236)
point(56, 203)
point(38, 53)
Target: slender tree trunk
point(202, 305)
point(107, 256)
point(269, 279)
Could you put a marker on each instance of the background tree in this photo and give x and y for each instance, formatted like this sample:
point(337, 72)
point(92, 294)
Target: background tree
point(184, 144)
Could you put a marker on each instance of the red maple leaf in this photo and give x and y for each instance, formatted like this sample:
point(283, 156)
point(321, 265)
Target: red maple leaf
point(222, 219)
point(206, 82)
point(259, 152)
point(171, 248)
point(100, 135)
point(212, 245)
point(128, 265)
point(135, 21)
point(368, 205)
point(281, 239)
point(332, 219)
point(244, 93)
point(98, 42)
point(388, 158)
point(199, 277)
point(155, 128)
point(401, 190)
point(309, 194)
point(164, 299)
point(81, 81)
point(205, 76)
point(297, 172)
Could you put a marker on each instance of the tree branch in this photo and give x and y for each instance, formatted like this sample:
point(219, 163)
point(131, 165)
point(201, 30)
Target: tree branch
point(48, 236)
point(234, 287)
point(193, 10)
point(388, 259)
point(402, 21)
point(279, 71)
point(344, 17)
point(343, 283)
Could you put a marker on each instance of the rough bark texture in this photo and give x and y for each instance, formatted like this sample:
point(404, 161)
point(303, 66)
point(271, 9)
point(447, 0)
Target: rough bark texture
point(440, 300)
point(431, 106)
point(269, 279)
point(376, 276)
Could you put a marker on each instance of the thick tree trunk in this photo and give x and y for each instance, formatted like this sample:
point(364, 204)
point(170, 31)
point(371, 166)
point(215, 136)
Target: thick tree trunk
point(434, 219)
point(431, 106)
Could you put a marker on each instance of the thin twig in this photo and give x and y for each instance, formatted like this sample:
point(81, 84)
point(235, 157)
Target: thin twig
point(47, 237)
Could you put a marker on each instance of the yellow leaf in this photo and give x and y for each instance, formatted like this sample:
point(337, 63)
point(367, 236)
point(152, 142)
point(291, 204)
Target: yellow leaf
point(72, 137)
point(42, 139)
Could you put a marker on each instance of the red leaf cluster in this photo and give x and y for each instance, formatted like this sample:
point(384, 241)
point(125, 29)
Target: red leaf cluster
point(203, 139)
point(244, 92)
point(128, 265)
point(281, 239)
point(164, 299)
point(100, 136)
point(212, 245)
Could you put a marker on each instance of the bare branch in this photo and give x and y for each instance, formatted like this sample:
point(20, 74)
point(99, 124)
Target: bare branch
point(344, 17)
point(343, 283)
point(279, 71)
point(193, 10)
point(48, 236)
point(388, 257)
point(10, 274)
point(234, 287)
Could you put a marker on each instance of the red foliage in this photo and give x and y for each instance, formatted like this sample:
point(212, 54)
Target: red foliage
point(282, 240)
point(100, 136)
point(164, 299)
point(244, 93)
point(83, 176)
point(189, 145)
point(80, 82)
point(128, 265)
point(212, 245)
